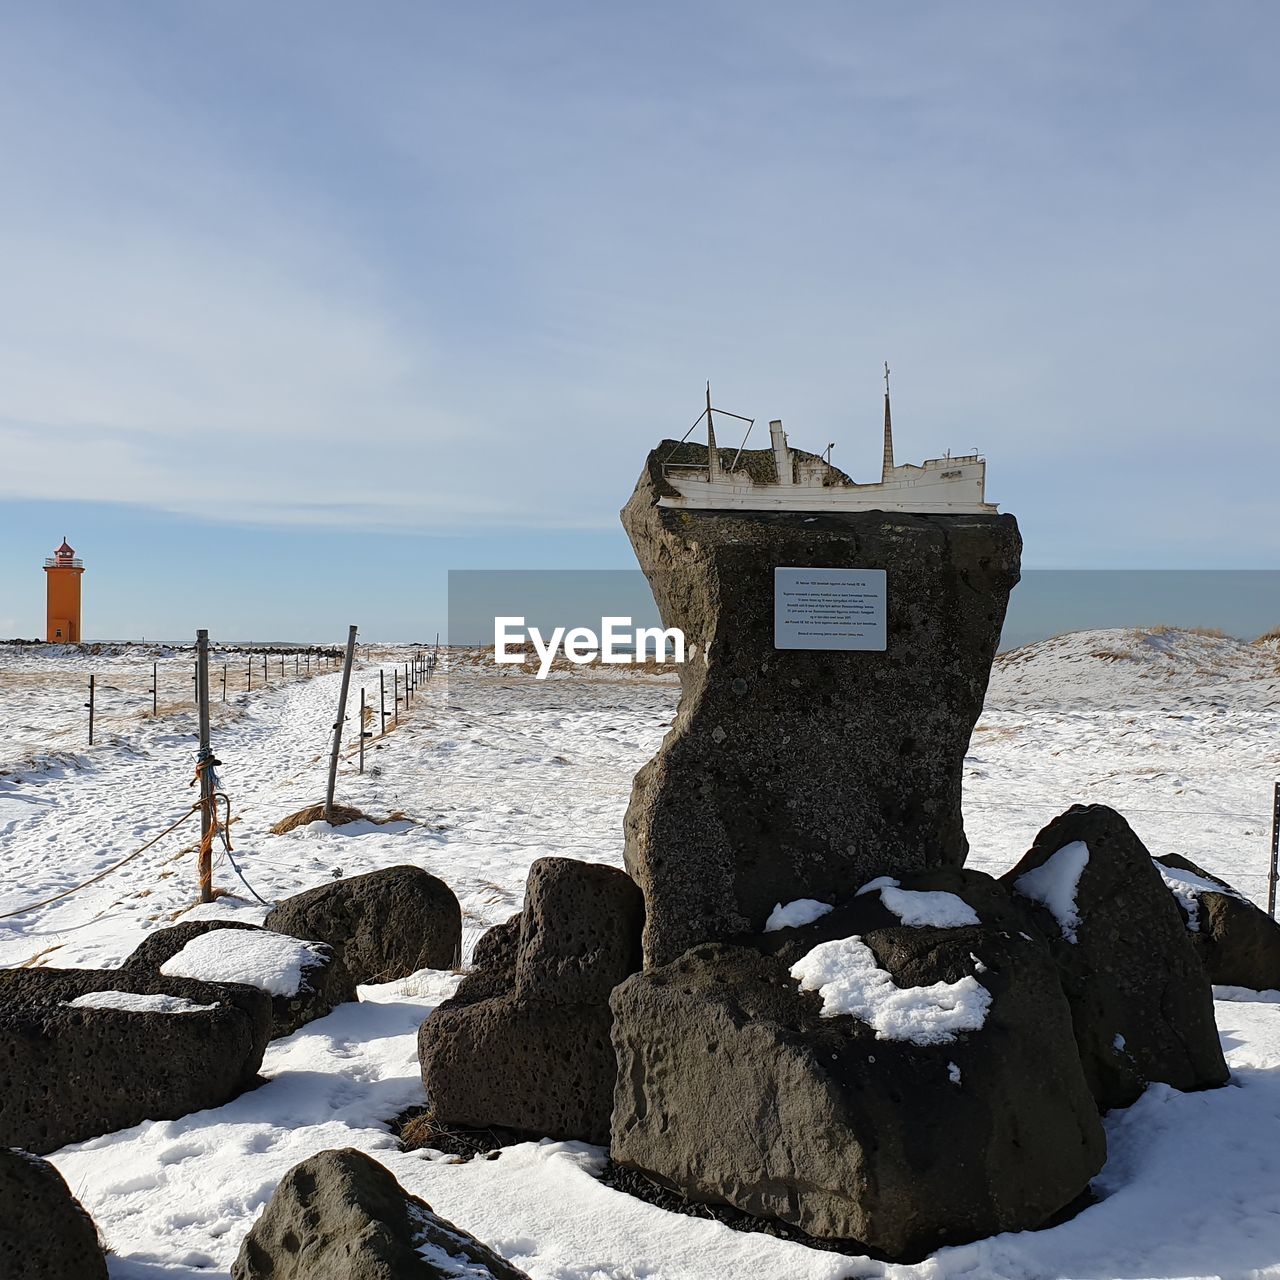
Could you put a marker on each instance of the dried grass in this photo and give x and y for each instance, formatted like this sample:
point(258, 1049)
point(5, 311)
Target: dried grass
point(342, 814)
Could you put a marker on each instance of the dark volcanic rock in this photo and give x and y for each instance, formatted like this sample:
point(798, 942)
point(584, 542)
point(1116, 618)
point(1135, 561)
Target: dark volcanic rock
point(734, 1087)
point(386, 924)
point(1238, 944)
point(341, 1216)
point(75, 1073)
point(794, 773)
point(45, 1234)
point(325, 981)
point(1140, 999)
point(496, 948)
point(579, 931)
point(525, 1045)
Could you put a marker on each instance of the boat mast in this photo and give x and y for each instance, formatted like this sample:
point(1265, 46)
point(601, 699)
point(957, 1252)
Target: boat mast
point(887, 465)
point(713, 458)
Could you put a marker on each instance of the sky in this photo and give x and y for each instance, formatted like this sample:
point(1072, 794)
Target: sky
point(303, 305)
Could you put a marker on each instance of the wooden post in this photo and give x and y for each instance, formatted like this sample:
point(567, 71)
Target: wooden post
point(249, 684)
point(89, 704)
point(363, 735)
point(224, 682)
point(308, 664)
point(154, 685)
point(1275, 852)
point(264, 670)
point(195, 682)
point(382, 701)
point(395, 685)
point(295, 666)
point(282, 666)
point(203, 762)
point(337, 727)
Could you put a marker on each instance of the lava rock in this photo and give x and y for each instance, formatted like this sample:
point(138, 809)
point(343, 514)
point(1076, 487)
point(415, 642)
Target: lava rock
point(579, 931)
point(1237, 942)
point(1140, 1000)
point(735, 1087)
point(525, 1045)
point(386, 924)
point(326, 983)
point(340, 1215)
point(497, 945)
point(45, 1234)
point(796, 773)
point(76, 1073)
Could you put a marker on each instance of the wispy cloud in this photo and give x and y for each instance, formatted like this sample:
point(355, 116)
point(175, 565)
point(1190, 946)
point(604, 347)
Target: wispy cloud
point(450, 268)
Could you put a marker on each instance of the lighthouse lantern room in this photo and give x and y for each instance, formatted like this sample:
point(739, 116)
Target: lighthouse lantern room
point(62, 573)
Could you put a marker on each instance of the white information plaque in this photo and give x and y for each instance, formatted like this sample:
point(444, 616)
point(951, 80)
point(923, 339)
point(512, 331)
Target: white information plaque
point(829, 608)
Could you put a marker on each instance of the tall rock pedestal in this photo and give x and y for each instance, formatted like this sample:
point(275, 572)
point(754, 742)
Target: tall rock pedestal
point(794, 773)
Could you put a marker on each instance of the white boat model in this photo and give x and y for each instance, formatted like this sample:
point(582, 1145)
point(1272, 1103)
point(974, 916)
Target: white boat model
point(786, 479)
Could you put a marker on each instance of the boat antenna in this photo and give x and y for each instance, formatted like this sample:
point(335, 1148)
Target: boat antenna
point(887, 465)
point(713, 458)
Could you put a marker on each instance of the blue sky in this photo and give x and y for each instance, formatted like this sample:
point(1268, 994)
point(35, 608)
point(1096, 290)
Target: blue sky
point(343, 296)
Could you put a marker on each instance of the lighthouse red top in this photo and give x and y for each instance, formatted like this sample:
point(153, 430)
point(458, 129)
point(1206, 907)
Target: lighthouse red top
point(66, 552)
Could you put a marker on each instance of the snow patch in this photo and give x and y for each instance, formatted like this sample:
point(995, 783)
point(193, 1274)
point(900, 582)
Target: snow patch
point(953, 1073)
point(1187, 887)
point(131, 1002)
point(918, 907)
point(1054, 884)
point(800, 912)
point(272, 962)
point(845, 974)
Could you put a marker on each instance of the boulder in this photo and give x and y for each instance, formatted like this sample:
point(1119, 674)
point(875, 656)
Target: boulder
point(323, 982)
point(793, 773)
point(45, 1234)
point(1140, 1000)
point(525, 1045)
point(496, 947)
point(78, 1072)
point(820, 1075)
point(386, 924)
point(1237, 942)
point(340, 1215)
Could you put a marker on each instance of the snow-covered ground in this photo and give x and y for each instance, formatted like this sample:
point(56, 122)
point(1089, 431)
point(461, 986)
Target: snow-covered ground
point(489, 771)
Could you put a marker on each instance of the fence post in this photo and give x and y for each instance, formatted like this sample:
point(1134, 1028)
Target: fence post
point(382, 701)
point(195, 682)
point(249, 681)
point(363, 735)
point(224, 682)
point(89, 704)
point(337, 728)
point(264, 671)
point(395, 688)
point(154, 684)
point(204, 763)
point(1275, 852)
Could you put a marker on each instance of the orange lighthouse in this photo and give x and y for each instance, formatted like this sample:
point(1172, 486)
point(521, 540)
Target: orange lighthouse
point(63, 573)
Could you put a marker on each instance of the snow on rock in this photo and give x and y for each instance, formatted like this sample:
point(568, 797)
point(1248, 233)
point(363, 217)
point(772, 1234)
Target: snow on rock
point(920, 907)
point(1187, 887)
point(800, 912)
point(953, 1073)
point(845, 974)
point(271, 962)
point(1054, 884)
point(131, 1002)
